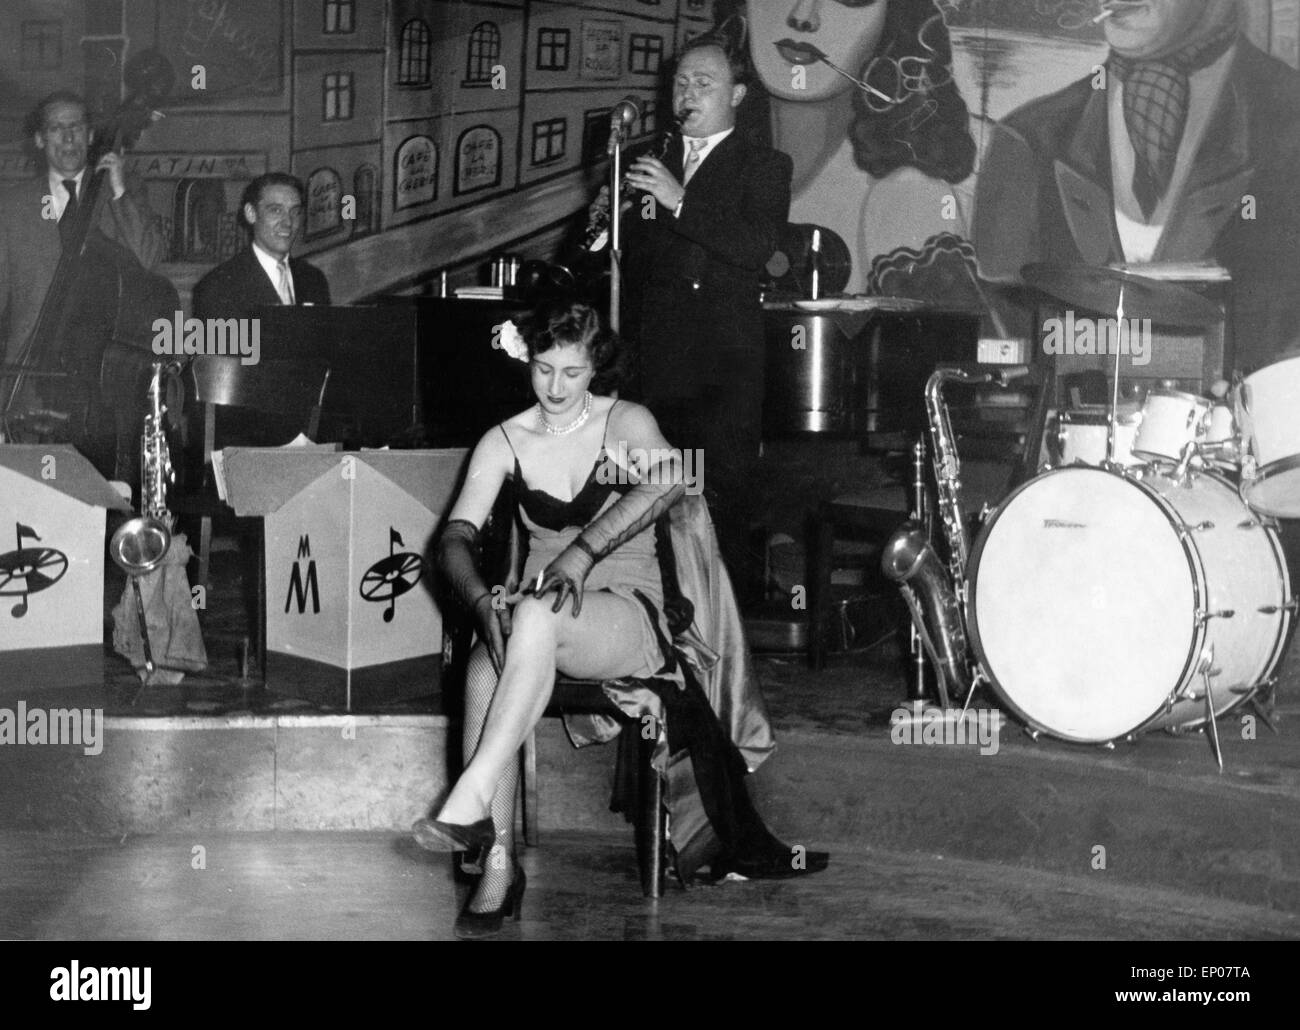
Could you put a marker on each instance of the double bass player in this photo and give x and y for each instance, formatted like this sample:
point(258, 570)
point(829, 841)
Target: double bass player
point(36, 217)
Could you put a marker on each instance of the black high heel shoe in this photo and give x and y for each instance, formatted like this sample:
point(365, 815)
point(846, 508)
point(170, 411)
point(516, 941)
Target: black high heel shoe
point(473, 925)
point(475, 840)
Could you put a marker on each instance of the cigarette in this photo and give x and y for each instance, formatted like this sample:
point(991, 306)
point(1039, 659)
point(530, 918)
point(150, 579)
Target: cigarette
point(538, 587)
point(856, 81)
point(1106, 13)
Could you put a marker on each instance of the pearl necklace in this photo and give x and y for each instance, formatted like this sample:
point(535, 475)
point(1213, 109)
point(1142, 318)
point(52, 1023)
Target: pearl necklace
point(577, 423)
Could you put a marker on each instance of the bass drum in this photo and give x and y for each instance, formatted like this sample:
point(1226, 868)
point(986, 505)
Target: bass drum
point(1097, 599)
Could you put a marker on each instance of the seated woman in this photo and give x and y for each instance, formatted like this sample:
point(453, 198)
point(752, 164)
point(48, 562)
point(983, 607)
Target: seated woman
point(580, 464)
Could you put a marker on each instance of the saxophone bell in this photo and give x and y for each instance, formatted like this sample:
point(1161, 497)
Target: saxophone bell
point(910, 560)
point(140, 544)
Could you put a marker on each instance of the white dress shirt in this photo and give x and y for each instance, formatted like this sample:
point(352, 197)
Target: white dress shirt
point(709, 143)
point(271, 266)
point(60, 195)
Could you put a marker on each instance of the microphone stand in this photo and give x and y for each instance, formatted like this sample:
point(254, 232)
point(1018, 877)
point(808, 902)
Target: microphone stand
point(615, 224)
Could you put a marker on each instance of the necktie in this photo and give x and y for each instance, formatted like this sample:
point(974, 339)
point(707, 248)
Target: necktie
point(693, 159)
point(1155, 109)
point(69, 218)
point(286, 288)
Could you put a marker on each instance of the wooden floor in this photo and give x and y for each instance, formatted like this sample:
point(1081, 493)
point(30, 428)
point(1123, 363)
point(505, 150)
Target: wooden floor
point(374, 886)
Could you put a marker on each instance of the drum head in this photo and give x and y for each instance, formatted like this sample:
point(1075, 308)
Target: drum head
point(1082, 604)
point(1277, 490)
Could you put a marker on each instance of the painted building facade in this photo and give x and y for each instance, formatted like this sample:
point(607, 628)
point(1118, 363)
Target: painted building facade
point(427, 132)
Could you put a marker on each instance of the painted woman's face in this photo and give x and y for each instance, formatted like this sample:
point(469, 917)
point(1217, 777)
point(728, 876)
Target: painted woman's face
point(781, 33)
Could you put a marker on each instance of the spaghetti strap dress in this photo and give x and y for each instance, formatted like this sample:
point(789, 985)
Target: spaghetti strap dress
point(630, 571)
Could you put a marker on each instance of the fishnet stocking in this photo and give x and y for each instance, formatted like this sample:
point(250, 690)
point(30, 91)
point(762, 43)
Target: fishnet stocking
point(480, 686)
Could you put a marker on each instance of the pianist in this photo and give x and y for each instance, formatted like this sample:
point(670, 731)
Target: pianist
point(263, 273)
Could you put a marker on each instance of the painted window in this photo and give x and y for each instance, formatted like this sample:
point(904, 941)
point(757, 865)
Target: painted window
point(484, 52)
point(549, 138)
point(337, 106)
point(413, 54)
point(644, 53)
point(552, 50)
point(339, 16)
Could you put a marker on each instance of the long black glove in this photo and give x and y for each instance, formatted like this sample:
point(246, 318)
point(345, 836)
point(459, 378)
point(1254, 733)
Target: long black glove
point(660, 489)
point(458, 561)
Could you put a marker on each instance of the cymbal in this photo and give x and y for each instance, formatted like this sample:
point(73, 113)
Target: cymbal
point(1098, 289)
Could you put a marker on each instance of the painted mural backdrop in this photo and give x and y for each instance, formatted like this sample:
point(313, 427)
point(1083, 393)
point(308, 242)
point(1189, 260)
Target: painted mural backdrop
point(946, 140)
point(434, 133)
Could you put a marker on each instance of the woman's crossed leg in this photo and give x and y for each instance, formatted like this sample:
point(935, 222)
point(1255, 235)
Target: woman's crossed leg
point(603, 642)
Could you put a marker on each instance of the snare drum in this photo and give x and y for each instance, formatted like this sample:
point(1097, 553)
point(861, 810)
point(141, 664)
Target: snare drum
point(1267, 402)
point(1082, 432)
point(1097, 601)
point(1171, 420)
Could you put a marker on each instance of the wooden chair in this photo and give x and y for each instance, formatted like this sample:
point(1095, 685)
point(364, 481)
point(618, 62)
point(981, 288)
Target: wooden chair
point(638, 786)
point(292, 390)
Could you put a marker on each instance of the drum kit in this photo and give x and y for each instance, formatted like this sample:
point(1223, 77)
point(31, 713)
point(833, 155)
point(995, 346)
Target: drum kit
point(1137, 582)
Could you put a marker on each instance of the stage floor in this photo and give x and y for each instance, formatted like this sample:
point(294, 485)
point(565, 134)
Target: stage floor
point(927, 841)
point(374, 886)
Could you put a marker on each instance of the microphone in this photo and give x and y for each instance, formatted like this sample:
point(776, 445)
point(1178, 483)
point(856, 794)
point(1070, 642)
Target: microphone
point(623, 114)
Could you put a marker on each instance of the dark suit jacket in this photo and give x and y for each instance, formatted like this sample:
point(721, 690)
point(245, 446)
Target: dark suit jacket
point(1044, 194)
point(238, 287)
point(693, 283)
point(30, 249)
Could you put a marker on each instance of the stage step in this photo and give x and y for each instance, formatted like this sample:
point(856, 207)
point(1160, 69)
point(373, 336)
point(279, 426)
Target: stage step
point(1156, 812)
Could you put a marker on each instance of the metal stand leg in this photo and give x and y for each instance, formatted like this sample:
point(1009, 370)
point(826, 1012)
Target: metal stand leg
point(1212, 727)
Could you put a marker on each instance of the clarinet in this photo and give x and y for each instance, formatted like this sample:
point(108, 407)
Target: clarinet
point(596, 238)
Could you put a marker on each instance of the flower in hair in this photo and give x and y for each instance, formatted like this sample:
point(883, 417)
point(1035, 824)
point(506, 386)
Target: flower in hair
point(509, 340)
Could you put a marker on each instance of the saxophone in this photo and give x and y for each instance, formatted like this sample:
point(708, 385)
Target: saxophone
point(935, 594)
point(141, 543)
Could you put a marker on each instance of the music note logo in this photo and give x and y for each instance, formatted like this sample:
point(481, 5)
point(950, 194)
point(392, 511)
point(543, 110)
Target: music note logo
point(38, 568)
point(391, 577)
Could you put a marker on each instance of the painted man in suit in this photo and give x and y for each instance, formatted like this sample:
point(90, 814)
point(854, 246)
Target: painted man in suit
point(36, 215)
point(263, 274)
point(1184, 149)
point(694, 258)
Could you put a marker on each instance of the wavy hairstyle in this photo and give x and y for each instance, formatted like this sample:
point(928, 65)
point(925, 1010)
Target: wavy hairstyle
point(569, 323)
point(925, 123)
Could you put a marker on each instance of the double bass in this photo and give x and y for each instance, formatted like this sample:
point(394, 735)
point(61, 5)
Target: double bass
point(79, 375)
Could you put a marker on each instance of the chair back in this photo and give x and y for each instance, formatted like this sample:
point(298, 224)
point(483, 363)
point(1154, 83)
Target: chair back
point(286, 387)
